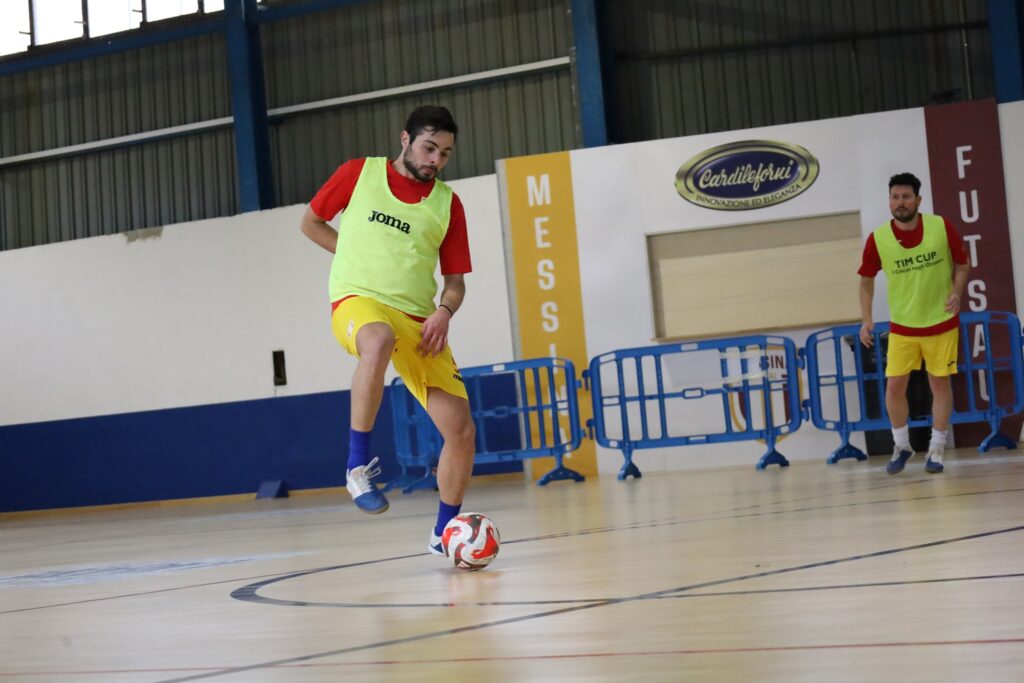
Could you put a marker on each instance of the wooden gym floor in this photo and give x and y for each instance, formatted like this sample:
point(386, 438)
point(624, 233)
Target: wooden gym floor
point(812, 573)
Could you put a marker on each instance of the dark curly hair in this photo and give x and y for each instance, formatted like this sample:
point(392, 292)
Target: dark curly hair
point(908, 179)
point(432, 117)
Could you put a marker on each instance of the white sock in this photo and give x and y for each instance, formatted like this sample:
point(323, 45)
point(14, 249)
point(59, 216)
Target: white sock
point(901, 435)
point(938, 441)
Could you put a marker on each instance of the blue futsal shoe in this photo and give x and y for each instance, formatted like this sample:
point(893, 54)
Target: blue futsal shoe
point(364, 493)
point(933, 465)
point(899, 460)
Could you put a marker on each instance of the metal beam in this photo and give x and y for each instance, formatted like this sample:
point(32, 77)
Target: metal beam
point(148, 35)
point(589, 81)
point(425, 86)
point(491, 75)
point(249, 106)
point(1006, 26)
point(31, 24)
point(805, 41)
point(129, 40)
point(118, 142)
point(85, 18)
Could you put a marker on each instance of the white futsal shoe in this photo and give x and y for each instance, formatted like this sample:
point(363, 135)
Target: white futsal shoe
point(364, 493)
point(435, 546)
point(933, 465)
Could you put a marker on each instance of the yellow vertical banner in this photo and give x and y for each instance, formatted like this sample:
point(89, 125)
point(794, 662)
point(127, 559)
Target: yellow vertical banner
point(541, 226)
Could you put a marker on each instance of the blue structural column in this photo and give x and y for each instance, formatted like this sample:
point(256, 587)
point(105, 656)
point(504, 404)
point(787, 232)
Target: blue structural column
point(249, 106)
point(1006, 26)
point(587, 47)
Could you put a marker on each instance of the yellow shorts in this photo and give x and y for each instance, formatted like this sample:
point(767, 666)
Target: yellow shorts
point(938, 351)
point(417, 371)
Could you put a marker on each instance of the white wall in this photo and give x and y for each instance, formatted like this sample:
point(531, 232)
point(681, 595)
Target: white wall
point(190, 316)
point(1011, 130)
point(625, 193)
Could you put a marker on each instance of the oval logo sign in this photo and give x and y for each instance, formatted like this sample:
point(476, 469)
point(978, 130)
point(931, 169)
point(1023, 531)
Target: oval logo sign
point(750, 174)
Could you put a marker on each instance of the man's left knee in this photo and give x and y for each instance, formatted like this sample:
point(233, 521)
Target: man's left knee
point(466, 434)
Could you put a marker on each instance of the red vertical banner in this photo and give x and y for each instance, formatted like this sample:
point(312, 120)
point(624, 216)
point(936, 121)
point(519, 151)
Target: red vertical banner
point(965, 159)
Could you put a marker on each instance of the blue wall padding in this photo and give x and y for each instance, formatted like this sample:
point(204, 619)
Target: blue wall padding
point(210, 450)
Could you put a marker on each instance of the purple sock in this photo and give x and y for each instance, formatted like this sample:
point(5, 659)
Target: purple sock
point(445, 512)
point(358, 448)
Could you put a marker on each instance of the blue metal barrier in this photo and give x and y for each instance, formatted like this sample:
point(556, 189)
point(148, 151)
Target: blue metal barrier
point(831, 353)
point(647, 396)
point(523, 409)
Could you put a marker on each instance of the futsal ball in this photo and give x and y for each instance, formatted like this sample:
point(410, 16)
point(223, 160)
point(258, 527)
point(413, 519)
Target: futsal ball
point(471, 541)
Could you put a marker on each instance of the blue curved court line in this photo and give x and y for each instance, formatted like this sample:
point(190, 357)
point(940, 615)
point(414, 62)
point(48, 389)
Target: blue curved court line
point(592, 605)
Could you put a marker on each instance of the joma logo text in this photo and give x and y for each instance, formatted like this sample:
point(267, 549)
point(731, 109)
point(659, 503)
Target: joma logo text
point(378, 217)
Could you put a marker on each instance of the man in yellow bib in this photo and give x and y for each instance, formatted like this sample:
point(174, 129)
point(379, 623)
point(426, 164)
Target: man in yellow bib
point(926, 267)
point(398, 220)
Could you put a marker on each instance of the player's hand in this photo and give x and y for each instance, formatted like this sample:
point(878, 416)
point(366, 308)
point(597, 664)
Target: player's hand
point(953, 303)
point(867, 336)
point(435, 333)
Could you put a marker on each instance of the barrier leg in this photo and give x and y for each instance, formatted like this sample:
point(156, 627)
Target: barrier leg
point(399, 482)
point(629, 469)
point(427, 481)
point(996, 440)
point(772, 456)
point(845, 450)
point(402, 480)
point(560, 473)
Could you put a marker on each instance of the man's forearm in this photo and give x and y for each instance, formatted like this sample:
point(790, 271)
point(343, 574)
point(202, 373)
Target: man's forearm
point(867, 295)
point(452, 296)
point(960, 274)
point(320, 232)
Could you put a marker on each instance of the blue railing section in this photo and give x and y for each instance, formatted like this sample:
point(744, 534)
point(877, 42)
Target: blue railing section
point(646, 397)
point(738, 389)
point(523, 409)
point(850, 379)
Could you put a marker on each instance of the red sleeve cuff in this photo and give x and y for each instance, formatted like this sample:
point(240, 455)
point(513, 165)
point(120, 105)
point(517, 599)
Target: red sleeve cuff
point(454, 252)
point(870, 262)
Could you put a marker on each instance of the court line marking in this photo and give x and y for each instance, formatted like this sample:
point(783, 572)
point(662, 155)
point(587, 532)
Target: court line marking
point(588, 606)
point(404, 557)
point(574, 601)
point(575, 655)
point(845, 586)
point(90, 574)
point(250, 592)
point(259, 515)
point(181, 588)
point(669, 521)
point(723, 515)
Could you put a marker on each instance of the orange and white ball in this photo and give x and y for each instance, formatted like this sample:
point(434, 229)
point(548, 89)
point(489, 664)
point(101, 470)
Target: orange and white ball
point(471, 540)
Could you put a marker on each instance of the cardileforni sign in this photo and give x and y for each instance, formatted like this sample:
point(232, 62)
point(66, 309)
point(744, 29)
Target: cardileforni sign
point(750, 174)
